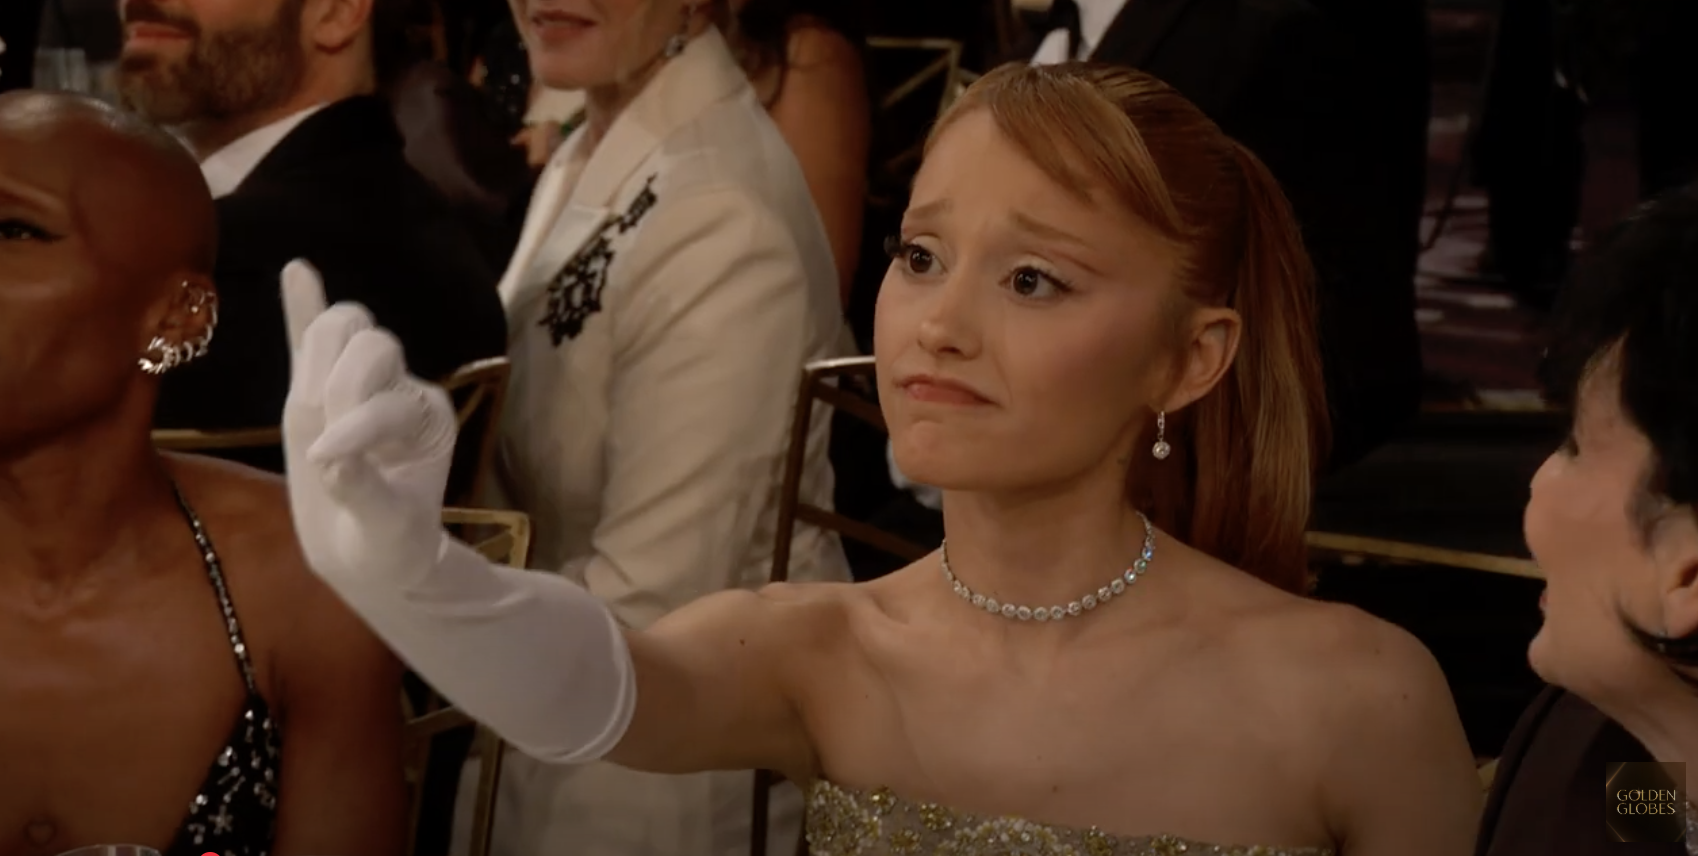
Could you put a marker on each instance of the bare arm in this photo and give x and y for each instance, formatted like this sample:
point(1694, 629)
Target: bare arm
point(1400, 779)
point(716, 684)
point(824, 114)
point(340, 693)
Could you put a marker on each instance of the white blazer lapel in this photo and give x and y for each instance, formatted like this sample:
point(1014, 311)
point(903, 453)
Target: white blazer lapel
point(571, 230)
point(550, 236)
point(567, 212)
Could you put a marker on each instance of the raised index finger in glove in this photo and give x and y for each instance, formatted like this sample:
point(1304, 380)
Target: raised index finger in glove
point(303, 300)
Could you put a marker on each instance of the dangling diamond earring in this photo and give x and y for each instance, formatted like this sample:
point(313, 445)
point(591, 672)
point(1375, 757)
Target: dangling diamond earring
point(675, 44)
point(1161, 449)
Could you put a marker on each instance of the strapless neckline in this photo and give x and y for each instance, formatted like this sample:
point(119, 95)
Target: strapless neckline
point(844, 821)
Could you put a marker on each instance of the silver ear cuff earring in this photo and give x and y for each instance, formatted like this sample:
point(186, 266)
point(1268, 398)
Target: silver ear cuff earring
point(162, 356)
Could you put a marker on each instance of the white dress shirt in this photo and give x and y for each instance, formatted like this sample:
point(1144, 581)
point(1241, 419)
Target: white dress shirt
point(1095, 16)
point(227, 168)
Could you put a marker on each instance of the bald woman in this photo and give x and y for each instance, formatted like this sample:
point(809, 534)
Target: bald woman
point(173, 676)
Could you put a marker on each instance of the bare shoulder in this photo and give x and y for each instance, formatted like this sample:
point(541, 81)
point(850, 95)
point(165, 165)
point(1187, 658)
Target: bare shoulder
point(1352, 661)
point(1356, 685)
point(813, 42)
point(1365, 659)
point(1329, 662)
point(246, 513)
point(1366, 712)
point(303, 623)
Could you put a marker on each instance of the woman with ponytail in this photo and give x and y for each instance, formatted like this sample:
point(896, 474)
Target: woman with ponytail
point(1096, 338)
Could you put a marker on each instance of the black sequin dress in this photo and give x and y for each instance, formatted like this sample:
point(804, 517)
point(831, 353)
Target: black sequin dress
point(234, 812)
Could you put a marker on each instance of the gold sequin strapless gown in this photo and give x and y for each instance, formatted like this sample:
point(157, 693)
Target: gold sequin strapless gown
point(847, 822)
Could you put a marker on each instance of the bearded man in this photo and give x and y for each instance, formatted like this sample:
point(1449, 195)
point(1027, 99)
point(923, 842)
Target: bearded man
point(275, 97)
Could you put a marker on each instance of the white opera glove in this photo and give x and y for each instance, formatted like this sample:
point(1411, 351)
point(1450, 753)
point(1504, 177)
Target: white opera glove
point(368, 449)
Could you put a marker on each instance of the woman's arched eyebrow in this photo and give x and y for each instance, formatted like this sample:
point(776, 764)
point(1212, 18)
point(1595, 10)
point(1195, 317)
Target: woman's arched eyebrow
point(935, 208)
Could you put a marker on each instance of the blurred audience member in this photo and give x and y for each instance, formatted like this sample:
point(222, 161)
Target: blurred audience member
point(1530, 152)
point(276, 99)
point(19, 21)
point(1295, 86)
point(451, 141)
point(78, 46)
point(1612, 522)
point(672, 279)
point(804, 59)
point(502, 72)
point(454, 142)
point(174, 675)
point(1667, 75)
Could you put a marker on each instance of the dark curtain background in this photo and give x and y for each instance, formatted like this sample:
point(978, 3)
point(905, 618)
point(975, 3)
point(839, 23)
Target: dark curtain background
point(19, 22)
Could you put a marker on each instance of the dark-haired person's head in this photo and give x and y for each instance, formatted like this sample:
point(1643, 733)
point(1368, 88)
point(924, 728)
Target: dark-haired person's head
point(217, 69)
point(107, 237)
point(1611, 518)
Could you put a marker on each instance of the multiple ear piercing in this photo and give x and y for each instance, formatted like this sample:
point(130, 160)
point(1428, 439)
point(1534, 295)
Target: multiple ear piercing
point(162, 356)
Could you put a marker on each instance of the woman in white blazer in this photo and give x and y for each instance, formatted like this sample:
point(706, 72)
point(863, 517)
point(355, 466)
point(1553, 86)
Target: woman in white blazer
point(671, 280)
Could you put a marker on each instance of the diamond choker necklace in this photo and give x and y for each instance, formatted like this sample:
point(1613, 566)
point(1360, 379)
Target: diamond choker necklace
point(1114, 588)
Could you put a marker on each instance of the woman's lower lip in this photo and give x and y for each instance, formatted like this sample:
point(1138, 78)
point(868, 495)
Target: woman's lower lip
point(936, 394)
point(554, 29)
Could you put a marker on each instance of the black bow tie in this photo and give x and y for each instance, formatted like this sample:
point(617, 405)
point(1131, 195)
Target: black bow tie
point(1064, 15)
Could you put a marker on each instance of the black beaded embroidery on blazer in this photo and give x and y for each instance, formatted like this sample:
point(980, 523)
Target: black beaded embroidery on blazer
point(235, 811)
point(575, 293)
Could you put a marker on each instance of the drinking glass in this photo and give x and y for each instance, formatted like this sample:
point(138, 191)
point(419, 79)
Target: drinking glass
point(112, 850)
point(63, 70)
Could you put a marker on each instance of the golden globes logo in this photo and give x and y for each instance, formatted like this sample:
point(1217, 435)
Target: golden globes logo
point(1646, 801)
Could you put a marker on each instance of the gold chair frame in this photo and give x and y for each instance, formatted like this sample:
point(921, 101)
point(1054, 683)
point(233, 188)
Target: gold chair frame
point(193, 440)
point(1358, 548)
point(477, 387)
point(946, 65)
point(510, 545)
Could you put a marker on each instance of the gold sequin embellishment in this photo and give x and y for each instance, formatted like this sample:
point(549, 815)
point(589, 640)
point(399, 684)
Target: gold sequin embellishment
point(846, 822)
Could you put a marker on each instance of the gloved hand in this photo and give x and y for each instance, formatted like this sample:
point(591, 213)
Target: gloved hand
point(368, 448)
point(367, 445)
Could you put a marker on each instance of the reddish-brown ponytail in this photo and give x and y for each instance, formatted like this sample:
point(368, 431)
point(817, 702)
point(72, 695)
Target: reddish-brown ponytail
point(1238, 484)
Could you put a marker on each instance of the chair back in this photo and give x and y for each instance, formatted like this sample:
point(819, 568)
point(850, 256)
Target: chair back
point(216, 443)
point(1357, 549)
point(845, 384)
point(914, 80)
point(439, 738)
point(479, 393)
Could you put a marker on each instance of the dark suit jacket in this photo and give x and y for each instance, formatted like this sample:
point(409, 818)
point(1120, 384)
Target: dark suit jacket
point(338, 192)
point(1295, 86)
point(1548, 796)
